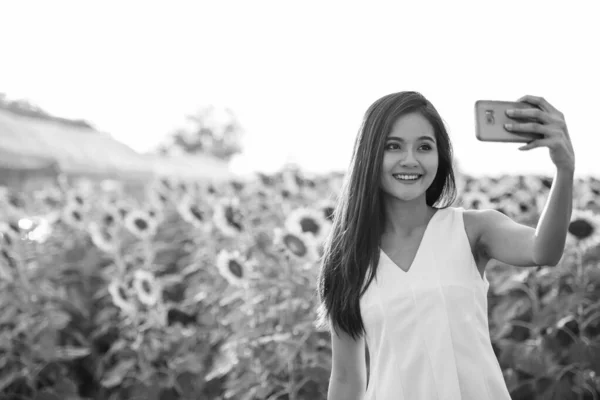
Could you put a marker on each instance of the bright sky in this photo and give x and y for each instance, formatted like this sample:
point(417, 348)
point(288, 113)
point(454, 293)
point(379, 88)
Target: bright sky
point(301, 75)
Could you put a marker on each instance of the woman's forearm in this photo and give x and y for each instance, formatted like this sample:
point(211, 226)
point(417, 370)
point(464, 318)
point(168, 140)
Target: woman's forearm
point(342, 390)
point(551, 232)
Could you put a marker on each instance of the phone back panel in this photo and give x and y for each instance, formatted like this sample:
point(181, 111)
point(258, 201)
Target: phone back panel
point(490, 117)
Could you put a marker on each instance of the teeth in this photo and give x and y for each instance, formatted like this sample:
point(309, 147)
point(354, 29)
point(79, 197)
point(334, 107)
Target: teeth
point(407, 177)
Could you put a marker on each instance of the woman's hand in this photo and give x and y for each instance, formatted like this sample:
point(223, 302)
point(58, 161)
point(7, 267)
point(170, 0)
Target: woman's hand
point(550, 123)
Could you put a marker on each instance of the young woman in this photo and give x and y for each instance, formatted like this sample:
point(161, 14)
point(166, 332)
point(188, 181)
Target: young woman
point(404, 272)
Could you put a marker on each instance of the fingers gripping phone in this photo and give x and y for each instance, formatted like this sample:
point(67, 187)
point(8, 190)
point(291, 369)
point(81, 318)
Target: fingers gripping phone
point(490, 117)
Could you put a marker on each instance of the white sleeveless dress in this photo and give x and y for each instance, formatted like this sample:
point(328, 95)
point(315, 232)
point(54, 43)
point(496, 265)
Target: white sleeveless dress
point(427, 329)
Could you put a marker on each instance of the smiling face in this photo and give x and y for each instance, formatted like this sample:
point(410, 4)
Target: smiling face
point(410, 149)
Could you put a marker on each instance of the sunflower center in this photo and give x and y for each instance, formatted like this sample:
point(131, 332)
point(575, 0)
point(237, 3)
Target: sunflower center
point(329, 213)
point(122, 292)
point(309, 225)
point(295, 245)
point(7, 240)
point(109, 220)
point(141, 224)
point(199, 215)
point(166, 183)
point(581, 229)
point(51, 201)
point(15, 201)
point(14, 227)
point(106, 235)
point(146, 286)
point(236, 268)
point(232, 218)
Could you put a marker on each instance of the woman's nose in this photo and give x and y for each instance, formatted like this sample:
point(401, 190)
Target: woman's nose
point(409, 158)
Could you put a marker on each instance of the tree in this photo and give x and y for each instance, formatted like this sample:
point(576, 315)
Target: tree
point(211, 130)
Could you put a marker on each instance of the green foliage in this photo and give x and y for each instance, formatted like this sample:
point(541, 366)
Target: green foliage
point(208, 291)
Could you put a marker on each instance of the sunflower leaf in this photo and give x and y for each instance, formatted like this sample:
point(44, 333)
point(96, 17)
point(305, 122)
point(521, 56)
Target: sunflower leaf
point(114, 376)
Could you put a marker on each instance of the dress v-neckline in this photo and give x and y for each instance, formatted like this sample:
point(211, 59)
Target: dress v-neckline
point(412, 264)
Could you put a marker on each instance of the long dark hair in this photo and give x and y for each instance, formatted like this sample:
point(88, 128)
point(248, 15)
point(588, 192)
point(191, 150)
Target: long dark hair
point(353, 242)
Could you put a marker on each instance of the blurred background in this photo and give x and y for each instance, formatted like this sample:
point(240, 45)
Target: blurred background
point(169, 172)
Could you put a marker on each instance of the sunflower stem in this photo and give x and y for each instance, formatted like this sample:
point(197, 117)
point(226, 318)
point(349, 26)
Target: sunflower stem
point(291, 386)
point(583, 286)
point(25, 284)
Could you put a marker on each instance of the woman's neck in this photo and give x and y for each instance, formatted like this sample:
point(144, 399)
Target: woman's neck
point(405, 218)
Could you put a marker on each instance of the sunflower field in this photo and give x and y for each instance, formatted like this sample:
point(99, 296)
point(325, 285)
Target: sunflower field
point(200, 290)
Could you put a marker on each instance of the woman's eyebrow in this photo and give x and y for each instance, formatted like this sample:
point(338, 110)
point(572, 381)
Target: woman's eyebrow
point(419, 138)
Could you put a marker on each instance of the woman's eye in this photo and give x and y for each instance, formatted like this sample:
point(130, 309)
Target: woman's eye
point(394, 146)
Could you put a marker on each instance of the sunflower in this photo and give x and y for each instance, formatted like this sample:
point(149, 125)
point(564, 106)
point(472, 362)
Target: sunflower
point(508, 207)
point(211, 189)
point(49, 198)
point(290, 181)
point(147, 287)
point(593, 184)
point(309, 221)
point(300, 246)
point(532, 183)
point(78, 198)
point(158, 195)
point(327, 208)
point(588, 200)
point(13, 202)
point(140, 224)
point(264, 179)
point(228, 217)
point(525, 200)
point(10, 233)
point(103, 237)
point(74, 216)
point(183, 187)
point(123, 208)
point(193, 212)
point(109, 217)
point(584, 229)
point(166, 183)
point(234, 268)
point(121, 296)
point(475, 200)
point(500, 187)
point(486, 184)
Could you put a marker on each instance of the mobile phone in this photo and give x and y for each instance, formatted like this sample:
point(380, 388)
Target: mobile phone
point(490, 117)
